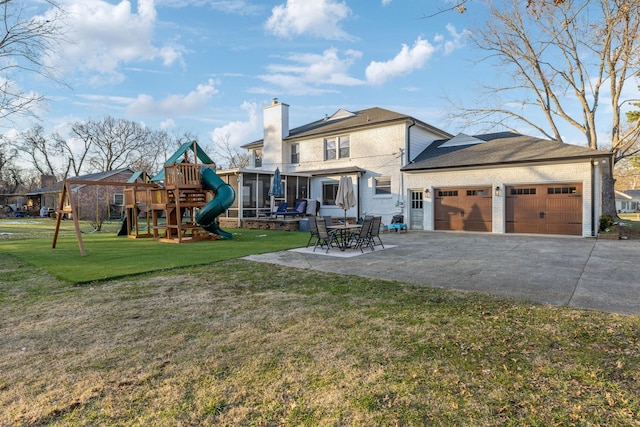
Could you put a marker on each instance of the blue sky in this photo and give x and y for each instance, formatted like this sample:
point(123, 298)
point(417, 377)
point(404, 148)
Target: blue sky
point(210, 66)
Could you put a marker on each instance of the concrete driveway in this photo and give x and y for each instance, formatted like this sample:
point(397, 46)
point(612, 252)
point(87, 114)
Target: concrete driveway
point(572, 271)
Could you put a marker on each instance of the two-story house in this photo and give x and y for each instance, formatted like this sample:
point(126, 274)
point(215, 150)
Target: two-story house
point(370, 146)
point(500, 183)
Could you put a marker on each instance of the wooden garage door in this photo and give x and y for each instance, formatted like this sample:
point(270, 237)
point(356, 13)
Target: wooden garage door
point(544, 209)
point(463, 209)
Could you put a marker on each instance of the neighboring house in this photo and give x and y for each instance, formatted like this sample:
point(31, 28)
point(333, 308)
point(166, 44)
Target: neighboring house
point(628, 201)
point(105, 200)
point(500, 183)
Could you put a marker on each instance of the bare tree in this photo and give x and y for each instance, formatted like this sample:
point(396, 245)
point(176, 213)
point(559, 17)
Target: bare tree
point(10, 176)
point(627, 173)
point(25, 41)
point(563, 59)
point(232, 157)
point(160, 145)
point(112, 143)
point(41, 149)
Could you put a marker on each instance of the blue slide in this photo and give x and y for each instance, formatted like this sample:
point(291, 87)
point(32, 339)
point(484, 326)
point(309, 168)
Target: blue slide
point(225, 196)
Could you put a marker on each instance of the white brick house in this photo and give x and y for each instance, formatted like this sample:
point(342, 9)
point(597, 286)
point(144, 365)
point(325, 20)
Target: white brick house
point(370, 146)
point(498, 183)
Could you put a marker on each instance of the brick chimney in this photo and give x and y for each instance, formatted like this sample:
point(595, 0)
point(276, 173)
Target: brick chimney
point(47, 180)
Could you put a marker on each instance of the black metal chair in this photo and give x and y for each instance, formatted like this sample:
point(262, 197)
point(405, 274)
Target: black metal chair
point(324, 236)
point(375, 230)
point(363, 238)
point(313, 229)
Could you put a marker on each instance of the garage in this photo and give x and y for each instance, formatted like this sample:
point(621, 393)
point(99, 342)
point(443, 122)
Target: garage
point(544, 209)
point(463, 209)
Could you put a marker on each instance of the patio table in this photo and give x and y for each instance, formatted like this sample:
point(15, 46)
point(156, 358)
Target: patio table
point(344, 233)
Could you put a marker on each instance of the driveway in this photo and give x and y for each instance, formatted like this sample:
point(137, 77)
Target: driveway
point(571, 271)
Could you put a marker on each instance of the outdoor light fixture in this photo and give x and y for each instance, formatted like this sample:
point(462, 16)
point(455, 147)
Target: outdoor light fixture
point(426, 192)
point(498, 191)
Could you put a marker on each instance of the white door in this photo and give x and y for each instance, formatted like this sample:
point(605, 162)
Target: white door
point(416, 212)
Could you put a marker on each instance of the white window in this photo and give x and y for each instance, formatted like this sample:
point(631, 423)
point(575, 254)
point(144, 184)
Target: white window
point(295, 153)
point(257, 158)
point(329, 191)
point(118, 199)
point(382, 186)
point(337, 148)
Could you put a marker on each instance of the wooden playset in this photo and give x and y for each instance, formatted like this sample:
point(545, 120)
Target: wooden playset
point(183, 209)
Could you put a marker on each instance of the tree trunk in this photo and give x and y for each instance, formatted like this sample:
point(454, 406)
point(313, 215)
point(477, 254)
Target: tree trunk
point(608, 193)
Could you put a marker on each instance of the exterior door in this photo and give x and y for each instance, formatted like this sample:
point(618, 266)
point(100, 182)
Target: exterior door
point(463, 209)
point(416, 214)
point(544, 209)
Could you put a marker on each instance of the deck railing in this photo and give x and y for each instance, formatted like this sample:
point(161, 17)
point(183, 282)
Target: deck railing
point(182, 175)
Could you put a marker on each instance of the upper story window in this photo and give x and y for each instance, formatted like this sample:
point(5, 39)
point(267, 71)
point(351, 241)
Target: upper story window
point(382, 185)
point(257, 157)
point(295, 153)
point(337, 148)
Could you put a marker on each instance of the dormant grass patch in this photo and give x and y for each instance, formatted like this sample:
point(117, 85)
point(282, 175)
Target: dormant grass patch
point(241, 343)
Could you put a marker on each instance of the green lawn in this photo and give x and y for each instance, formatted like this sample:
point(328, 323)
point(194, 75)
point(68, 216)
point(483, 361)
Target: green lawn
point(238, 343)
point(109, 256)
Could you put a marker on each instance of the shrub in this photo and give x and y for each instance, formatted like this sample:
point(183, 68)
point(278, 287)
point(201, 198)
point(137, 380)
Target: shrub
point(606, 221)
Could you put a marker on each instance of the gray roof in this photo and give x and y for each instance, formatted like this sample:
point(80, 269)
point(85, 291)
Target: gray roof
point(344, 121)
point(497, 149)
point(631, 194)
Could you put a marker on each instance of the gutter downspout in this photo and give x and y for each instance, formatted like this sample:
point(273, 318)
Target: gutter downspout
point(402, 163)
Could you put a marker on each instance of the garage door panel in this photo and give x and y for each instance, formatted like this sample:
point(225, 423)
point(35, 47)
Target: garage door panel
point(544, 209)
point(463, 209)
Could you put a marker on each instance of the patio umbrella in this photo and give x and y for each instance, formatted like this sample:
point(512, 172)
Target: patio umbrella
point(276, 190)
point(345, 196)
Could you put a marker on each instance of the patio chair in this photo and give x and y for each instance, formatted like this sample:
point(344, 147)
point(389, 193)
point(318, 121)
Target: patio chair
point(375, 230)
point(324, 236)
point(299, 209)
point(363, 238)
point(313, 229)
point(282, 207)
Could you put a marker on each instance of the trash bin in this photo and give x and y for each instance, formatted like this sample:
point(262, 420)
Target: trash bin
point(303, 224)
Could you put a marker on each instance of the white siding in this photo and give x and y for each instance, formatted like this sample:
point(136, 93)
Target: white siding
point(376, 150)
point(515, 175)
point(420, 139)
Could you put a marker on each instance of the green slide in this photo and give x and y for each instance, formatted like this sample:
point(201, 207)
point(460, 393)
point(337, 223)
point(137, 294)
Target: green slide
point(225, 196)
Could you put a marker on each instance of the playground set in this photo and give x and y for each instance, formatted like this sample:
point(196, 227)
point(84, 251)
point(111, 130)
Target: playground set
point(187, 193)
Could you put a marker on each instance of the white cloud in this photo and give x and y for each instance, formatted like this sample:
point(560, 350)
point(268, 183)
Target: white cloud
point(102, 36)
point(319, 18)
point(167, 124)
point(240, 132)
point(407, 60)
point(307, 71)
point(173, 105)
point(457, 39)
point(238, 7)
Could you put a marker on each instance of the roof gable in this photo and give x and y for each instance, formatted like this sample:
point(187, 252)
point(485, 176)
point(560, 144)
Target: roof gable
point(461, 139)
point(341, 114)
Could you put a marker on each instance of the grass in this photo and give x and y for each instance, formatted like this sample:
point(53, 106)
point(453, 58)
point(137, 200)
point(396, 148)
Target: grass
point(109, 256)
point(239, 343)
